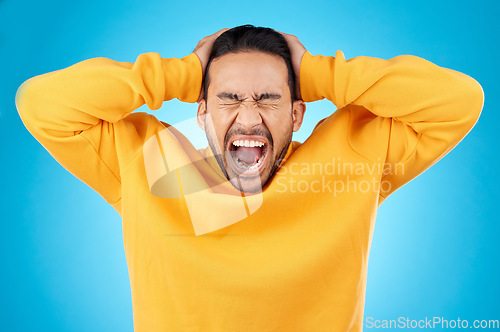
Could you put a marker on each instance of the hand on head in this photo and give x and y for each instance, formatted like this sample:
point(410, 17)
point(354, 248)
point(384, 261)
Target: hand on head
point(297, 50)
point(203, 50)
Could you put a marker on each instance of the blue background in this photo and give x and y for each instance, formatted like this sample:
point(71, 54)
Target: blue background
point(435, 248)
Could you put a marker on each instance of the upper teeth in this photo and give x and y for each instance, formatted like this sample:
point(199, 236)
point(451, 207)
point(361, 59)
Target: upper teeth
point(248, 143)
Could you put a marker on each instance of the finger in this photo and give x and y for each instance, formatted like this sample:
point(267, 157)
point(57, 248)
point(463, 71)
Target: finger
point(218, 33)
point(286, 35)
point(290, 39)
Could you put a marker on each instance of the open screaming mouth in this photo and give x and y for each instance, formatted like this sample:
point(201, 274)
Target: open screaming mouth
point(248, 154)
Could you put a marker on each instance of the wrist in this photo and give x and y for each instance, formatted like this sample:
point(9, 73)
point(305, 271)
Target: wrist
point(296, 69)
point(183, 78)
point(316, 77)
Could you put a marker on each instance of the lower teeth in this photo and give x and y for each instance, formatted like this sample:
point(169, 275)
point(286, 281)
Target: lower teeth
point(243, 166)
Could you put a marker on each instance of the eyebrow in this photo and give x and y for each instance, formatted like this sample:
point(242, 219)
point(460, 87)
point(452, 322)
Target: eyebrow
point(234, 96)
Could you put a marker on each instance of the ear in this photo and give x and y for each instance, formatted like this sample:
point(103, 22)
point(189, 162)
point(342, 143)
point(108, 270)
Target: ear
point(200, 116)
point(298, 110)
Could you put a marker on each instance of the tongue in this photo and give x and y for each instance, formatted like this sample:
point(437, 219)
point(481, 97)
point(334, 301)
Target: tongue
point(249, 155)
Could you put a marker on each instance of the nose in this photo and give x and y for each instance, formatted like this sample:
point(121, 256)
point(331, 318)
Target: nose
point(248, 116)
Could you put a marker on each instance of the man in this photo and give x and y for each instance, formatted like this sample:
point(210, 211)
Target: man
point(256, 232)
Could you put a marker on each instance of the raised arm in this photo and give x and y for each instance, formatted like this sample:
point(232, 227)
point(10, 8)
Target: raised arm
point(407, 109)
point(418, 110)
point(77, 112)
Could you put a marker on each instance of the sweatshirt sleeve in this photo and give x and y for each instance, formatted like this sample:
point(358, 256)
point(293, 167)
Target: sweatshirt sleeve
point(407, 109)
point(77, 113)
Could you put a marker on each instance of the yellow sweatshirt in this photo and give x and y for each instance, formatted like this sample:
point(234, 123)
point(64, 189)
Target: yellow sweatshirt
point(202, 257)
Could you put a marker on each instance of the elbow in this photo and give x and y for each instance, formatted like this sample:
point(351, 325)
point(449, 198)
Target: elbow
point(468, 100)
point(473, 100)
point(22, 100)
point(477, 99)
point(27, 100)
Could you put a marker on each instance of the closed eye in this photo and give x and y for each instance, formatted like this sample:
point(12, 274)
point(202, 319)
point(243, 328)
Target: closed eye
point(237, 103)
point(261, 104)
point(228, 96)
point(264, 100)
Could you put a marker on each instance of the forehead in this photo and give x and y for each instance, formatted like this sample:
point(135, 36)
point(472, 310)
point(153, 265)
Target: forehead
point(248, 71)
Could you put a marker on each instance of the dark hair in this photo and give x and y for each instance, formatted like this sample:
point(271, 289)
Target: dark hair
point(246, 38)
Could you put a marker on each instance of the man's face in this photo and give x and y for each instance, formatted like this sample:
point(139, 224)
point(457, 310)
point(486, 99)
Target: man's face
point(249, 116)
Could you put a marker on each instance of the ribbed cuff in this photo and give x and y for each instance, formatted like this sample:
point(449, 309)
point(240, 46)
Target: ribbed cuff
point(317, 77)
point(182, 78)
